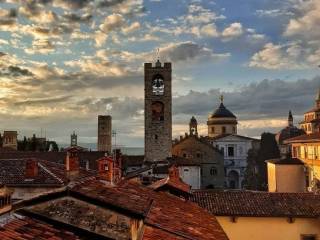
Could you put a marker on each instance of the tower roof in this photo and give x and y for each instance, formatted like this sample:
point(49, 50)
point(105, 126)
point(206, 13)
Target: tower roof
point(193, 121)
point(222, 111)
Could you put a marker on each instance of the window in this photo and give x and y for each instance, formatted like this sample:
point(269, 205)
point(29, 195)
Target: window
point(186, 170)
point(157, 111)
point(156, 137)
point(234, 129)
point(308, 237)
point(223, 129)
point(184, 155)
point(213, 171)
point(212, 129)
point(157, 85)
point(106, 167)
point(222, 150)
point(231, 151)
point(199, 155)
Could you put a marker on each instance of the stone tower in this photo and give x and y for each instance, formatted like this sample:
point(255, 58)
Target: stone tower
point(158, 113)
point(104, 133)
point(74, 139)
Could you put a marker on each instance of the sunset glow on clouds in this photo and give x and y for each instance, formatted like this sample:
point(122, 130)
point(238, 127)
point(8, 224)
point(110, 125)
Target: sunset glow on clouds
point(63, 62)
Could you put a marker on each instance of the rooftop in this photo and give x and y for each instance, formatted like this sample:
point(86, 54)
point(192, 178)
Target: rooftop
point(164, 216)
point(313, 137)
point(13, 173)
point(258, 204)
point(222, 112)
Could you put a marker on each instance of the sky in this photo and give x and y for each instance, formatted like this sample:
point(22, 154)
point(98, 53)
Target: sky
point(64, 62)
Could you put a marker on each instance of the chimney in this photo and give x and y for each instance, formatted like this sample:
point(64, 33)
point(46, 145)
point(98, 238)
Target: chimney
point(31, 168)
point(109, 170)
point(72, 161)
point(174, 173)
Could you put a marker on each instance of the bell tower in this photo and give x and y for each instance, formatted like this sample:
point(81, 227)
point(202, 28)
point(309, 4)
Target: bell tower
point(157, 111)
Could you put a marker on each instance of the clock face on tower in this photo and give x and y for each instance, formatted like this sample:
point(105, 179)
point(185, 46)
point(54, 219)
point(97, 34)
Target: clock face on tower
point(158, 85)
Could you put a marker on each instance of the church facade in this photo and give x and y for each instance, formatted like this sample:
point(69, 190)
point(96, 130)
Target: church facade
point(222, 134)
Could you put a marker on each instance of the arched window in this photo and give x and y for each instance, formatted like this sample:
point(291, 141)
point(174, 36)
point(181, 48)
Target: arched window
point(213, 171)
point(212, 129)
point(223, 129)
point(157, 111)
point(158, 85)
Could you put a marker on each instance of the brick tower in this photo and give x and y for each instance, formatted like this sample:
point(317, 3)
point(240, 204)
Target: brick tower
point(104, 133)
point(158, 113)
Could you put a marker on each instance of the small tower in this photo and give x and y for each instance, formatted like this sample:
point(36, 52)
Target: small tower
point(104, 133)
point(158, 113)
point(74, 139)
point(10, 139)
point(222, 121)
point(290, 119)
point(193, 127)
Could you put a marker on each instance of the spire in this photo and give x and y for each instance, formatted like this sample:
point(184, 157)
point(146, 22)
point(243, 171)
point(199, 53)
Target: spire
point(221, 98)
point(290, 119)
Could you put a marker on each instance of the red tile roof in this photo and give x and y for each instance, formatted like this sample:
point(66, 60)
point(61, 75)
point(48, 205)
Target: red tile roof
point(49, 173)
point(171, 183)
point(159, 210)
point(314, 137)
point(258, 204)
point(24, 229)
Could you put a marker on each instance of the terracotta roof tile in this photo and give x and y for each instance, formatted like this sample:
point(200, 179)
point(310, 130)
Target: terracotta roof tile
point(260, 204)
point(305, 138)
point(12, 173)
point(160, 210)
point(28, 228)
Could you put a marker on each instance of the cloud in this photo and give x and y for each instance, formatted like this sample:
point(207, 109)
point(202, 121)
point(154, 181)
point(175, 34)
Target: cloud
point(185, 51)
point(233, 31)
point(42, 46)
point(305, 23)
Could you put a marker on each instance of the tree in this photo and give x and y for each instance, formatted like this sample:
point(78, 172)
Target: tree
point(256, 172)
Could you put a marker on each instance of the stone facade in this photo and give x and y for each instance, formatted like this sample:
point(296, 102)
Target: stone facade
point(311, 121)
point(158, 113)
point(104, 133)
point(197, 150)
point(10, 139)
point(235, 151)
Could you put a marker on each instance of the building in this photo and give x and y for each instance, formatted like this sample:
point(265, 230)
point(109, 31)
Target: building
point(104, 133)
point(286, 175)
point(263, 215)
point(73, 139)
point(222, 121)
point(222, 134)
point(158, 113)
point(289, 131)
point(10, 140)
point(30, 177)
point(198, 152)
point(311, 122)
point(97, 209)
point(307, 149)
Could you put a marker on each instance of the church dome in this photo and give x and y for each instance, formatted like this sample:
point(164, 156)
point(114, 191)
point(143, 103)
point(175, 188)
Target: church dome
point(222, 112)
point(289, 131)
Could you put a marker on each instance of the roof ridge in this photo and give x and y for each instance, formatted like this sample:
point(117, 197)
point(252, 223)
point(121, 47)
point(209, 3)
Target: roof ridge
point(51, 173)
